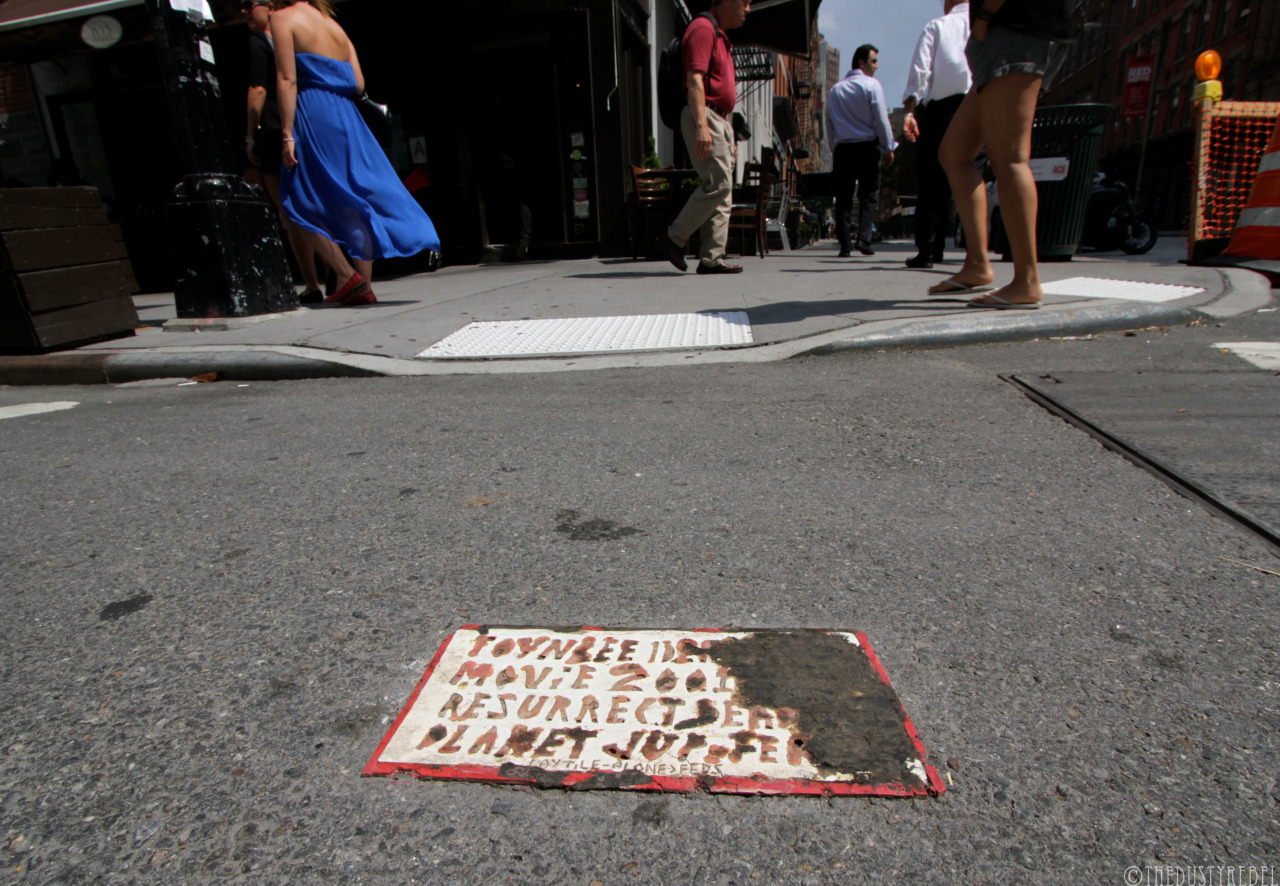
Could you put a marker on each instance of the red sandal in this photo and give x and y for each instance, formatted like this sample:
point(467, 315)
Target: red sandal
point(362, 297)
point(351, 287)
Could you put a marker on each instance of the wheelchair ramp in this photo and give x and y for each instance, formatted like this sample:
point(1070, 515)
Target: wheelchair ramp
point(1128, 290)
point(593, 335)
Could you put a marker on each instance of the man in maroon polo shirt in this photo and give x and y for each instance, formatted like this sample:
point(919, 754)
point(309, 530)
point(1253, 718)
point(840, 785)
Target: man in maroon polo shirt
point(706, 123)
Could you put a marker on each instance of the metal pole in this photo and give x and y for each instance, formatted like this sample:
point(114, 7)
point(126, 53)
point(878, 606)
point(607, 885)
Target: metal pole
point(224, 243)
point(1151, 95)
point(1146, 134)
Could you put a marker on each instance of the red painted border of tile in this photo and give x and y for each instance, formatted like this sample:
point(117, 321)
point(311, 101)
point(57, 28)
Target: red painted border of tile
point(664, 783)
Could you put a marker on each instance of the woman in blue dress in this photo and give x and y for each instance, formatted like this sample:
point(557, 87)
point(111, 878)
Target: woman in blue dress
point(337, 182)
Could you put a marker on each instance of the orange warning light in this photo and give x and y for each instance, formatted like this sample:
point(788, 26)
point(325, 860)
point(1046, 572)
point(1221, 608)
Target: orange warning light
point(1208, 65)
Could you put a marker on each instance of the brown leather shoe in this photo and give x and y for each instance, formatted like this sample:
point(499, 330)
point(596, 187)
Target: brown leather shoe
point(721, 268)
point(675, 254)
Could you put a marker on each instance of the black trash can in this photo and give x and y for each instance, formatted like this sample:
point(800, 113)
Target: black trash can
point(1073, 133)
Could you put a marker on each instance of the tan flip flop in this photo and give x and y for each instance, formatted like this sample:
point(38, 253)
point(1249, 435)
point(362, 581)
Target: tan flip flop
point(959, 287)
point(992, 300)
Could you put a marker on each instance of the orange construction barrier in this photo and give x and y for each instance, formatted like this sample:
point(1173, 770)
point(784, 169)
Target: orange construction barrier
point(1258, 228)
point(1237, 154)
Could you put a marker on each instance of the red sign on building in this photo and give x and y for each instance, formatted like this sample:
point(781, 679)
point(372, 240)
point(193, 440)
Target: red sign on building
point(1137, 85)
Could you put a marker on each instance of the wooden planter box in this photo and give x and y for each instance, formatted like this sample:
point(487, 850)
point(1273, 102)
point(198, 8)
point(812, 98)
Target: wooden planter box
point(65, 277)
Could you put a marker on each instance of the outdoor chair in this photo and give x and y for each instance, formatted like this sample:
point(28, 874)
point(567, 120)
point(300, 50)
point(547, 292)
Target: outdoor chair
point(748, 212)
point(652, 206)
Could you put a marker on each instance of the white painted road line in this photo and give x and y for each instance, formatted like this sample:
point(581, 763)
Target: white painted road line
point(1128, 290)
point(35, 408)
point(1262, 354)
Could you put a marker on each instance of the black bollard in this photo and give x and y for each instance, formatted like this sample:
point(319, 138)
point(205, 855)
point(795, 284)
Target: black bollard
point(227, 257)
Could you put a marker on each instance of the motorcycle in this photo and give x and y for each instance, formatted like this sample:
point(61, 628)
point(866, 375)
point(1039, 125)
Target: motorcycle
point(1111, 219)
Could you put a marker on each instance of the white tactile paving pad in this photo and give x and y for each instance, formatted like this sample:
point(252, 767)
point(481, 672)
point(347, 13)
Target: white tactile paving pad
point(583, 335)
point(1128, 290)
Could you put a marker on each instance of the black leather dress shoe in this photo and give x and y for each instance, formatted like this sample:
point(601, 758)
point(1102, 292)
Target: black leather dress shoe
point(865, 248)
point(719, 269)
point(919, 261)
point(675, 255)
point(844, 253)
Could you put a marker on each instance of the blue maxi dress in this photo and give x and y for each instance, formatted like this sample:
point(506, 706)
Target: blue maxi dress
point(343, 186)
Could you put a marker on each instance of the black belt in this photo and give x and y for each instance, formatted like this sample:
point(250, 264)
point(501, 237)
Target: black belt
point(724, 115)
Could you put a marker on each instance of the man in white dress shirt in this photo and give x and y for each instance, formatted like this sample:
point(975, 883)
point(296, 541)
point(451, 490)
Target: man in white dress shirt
point(937, 83)
point(859, 134)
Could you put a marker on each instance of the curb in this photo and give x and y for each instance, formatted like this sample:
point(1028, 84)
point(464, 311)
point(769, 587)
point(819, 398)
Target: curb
point(118, 367)
point(236, 365)
point(1242, 291)
point(75, 368)
point(1022, 326)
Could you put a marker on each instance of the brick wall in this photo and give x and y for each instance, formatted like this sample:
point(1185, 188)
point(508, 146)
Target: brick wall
point(15, 90)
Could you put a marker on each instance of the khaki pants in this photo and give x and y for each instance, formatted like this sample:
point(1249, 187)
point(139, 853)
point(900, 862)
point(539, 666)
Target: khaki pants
point(708, 207)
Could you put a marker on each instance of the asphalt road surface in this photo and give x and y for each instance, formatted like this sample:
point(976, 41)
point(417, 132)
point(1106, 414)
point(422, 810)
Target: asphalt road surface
point(218, 596)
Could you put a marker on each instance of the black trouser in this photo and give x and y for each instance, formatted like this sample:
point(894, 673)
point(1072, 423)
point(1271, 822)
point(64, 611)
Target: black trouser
point(932, 187)
point(856, 163)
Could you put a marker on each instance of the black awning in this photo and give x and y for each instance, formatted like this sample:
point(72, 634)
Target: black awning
point(17, 14)
point(781, 25)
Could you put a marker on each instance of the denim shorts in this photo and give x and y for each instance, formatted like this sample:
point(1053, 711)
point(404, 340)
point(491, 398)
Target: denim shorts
point(1007, 52)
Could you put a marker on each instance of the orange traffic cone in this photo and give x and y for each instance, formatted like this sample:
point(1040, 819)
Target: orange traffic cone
point(1256, 241)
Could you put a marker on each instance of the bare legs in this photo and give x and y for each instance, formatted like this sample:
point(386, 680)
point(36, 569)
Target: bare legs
point(999, 118)
point(307, 246)
point(306, 255)
point(302, 247)
point(1007, 112)
point(332, 256)
point(959, 150)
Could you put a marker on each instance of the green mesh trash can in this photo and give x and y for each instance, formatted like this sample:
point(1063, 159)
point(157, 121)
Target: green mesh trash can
point(1074, 134)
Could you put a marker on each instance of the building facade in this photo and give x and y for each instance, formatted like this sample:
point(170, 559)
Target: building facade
point(1246, 33)
point(497, 104)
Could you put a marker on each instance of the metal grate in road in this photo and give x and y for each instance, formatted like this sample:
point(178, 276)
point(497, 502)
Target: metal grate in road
point(1128, 290)
point(585, 335)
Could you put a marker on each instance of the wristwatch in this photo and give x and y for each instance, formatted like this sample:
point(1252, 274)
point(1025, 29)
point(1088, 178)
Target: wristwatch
point(982, 14)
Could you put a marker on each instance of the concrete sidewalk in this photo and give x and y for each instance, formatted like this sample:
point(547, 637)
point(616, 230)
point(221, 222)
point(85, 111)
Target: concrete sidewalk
point(808, 302)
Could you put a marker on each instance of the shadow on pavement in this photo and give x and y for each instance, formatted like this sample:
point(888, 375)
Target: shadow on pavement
point(843, 267)
point(623, 275)
point(798, 311)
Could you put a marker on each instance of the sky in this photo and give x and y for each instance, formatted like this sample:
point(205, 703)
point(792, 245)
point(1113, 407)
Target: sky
point(892, 26)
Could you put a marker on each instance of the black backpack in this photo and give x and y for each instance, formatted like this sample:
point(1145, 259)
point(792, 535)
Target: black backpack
point(671, 98)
